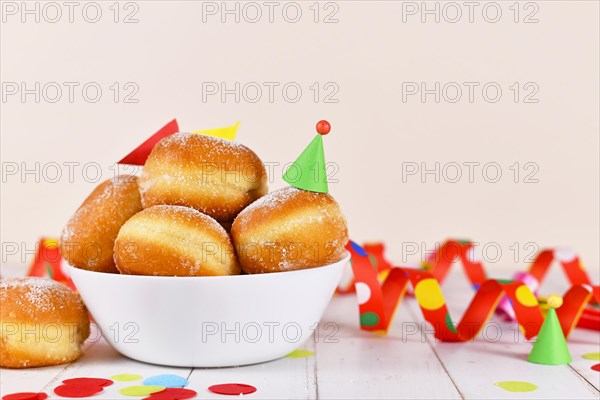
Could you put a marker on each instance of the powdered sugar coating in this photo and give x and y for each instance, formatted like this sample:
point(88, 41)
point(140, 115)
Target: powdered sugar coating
point(219, 146)
point(276, 200)
point(108, 189)
point(88, 238)
point(35, 296)
point(187, 215)
point(289, 229)
point(212, 175)
point(44, 323)
point(169, 240)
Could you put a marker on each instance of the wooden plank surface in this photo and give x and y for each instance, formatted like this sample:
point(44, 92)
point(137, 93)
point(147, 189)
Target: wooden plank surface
point(500, 352)
point(357, 364)
point(582, 342)
point(350, 363)
point(476, 367)
point(291, 378)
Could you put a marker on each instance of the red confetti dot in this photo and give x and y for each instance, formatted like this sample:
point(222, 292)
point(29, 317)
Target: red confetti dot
point(172, 394)
point(25, 396)
point(95, 382)
point(596, 367)
point(76, 390)
point(233, 389)
point(323, 127)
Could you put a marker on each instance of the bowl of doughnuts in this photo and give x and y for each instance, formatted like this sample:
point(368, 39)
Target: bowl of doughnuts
point(193, 263)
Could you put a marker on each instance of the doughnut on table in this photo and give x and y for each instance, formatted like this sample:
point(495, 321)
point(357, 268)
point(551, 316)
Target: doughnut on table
point(349, 363)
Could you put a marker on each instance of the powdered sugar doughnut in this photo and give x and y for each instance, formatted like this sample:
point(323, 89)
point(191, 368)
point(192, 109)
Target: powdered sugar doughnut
point(289, 229)
point(88, 239)
point(214, 176)
point(174, 241)
point(43, 323)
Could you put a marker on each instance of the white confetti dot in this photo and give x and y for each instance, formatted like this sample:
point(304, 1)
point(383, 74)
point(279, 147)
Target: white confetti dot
point(347, 278)
point(473, 255)
point(564, 255)
point(363, 293)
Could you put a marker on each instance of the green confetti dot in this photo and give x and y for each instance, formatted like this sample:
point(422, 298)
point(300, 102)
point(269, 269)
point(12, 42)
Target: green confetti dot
point(141, 390)
point(373, 261)
point(592, 356)
point(505, 281)
point(126, 377)
point(369, 319)
point(49, 270)
point(517, 386)
point(301, 354)
point(449, 323)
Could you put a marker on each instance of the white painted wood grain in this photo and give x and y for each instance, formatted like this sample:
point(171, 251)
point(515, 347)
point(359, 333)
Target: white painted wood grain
point(286, 378)
point(350, 363)
point(476, 367)
point(99, 361)
point(363, 365)
point(581, 342)
point(31, 379)
point(102, 361)
point(500, 353)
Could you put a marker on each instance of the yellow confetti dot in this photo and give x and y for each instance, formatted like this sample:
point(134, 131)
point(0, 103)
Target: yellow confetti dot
point(141, 390)
point(592, 356)
point(525, 296)
point(300, 354)
point(126, 377)
point(517, 386)
point(429, 295)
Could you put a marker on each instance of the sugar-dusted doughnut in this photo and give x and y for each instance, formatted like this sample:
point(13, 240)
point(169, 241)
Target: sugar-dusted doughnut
point(174, 241)
point(214, 176)
point(289, 229)
point(43, 322)
point(88, 239)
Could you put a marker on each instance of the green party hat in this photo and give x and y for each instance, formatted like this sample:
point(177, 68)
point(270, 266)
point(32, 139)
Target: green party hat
point(550, 347)
point(309, 171)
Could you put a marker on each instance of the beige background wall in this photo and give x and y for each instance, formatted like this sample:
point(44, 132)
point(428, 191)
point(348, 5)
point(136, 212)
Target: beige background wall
point(171, 54)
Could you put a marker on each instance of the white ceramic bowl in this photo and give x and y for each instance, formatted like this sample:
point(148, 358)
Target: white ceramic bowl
point(208, 321)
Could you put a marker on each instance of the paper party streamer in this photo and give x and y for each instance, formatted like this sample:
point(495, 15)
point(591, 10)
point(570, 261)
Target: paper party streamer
point(140, 154)
point(166, 380)
point(517, 386)
point(126, 377)
point(596, 367)
point(378, 301)
point(172, 394)
point(25, 396)
point(47, 262)
point(227, 132)
point(232, 389)
point(140, 390)
point(590, 319)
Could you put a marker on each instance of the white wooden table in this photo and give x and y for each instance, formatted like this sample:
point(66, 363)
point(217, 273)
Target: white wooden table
point(407, 363)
